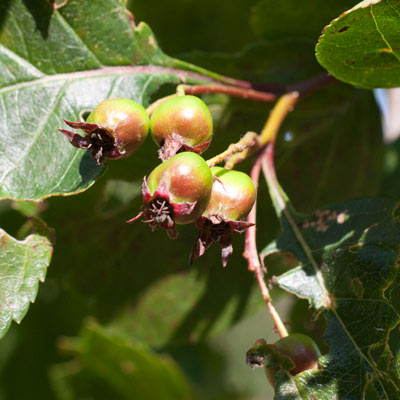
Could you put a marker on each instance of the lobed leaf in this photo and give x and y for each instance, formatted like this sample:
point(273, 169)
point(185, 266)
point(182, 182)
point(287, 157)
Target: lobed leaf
point(22, 265)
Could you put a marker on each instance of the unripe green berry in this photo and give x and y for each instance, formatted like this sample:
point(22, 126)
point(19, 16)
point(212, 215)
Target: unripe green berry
point(114, 129)
point(176, 192)
point(232, 196)
point(126, 120)
point(301, 349)
point(189, 179)
point(182, 121)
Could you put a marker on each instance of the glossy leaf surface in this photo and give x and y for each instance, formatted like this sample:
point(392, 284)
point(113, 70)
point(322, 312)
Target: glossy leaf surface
point(41, 85)
point(361, 46)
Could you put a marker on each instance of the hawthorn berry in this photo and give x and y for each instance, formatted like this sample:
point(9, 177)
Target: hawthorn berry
point(232, 198)
point(301, 349)
point(176, 192)
point(182, 122)
point(114, 129)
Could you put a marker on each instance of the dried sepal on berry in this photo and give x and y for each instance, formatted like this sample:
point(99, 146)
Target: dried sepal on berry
point(114, 129)
point(216, 229)
point(99, 141)
point(176, 192)
point(174, 145)
point(232, 198)
point(158, 210)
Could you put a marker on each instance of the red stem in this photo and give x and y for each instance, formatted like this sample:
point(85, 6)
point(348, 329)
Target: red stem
point(230, 91)
point(312, 84)
point(250, 252)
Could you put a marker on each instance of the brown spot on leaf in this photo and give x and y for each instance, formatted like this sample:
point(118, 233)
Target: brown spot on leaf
point(357, 288)
point(152, 41)
point(3, 240)
point(370, 227)
point(329, 302)
point(131, 18)
point(128, 367)
point(56, 6)
point(341, 218)
point(344, 29)
point(323, 218)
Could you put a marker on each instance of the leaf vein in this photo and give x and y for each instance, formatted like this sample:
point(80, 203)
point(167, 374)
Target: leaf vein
point(383, 36)
point(38, 132)
point(64, 22)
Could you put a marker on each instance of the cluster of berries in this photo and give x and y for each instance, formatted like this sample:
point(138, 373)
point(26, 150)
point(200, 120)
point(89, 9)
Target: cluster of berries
point(183, 189)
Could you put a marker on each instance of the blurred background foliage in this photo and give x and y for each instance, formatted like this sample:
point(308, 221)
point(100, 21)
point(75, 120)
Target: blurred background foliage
point(120, 295)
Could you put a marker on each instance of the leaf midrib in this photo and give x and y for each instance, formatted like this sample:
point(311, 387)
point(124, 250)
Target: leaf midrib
point(106, 71)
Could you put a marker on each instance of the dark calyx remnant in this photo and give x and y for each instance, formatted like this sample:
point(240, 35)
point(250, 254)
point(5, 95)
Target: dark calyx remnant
point(98, 140)
point(159, 213)
point(217, 229)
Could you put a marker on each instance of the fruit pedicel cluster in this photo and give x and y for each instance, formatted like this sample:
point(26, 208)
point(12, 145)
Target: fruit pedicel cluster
point(186, 189)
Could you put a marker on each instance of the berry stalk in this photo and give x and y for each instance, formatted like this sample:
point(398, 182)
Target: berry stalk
point(232, 91)
point(249, 140)
point(240, 92)
point(150, 109)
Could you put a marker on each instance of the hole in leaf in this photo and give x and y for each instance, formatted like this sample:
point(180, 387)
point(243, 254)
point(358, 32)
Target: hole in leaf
point(279, 262)
point(344, 29)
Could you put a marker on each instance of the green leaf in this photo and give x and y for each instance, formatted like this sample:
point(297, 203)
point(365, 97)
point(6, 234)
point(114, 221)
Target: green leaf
point(348, 256)
point(361, 46)
point(56, 64)
point(109, 365)
point(22, 265)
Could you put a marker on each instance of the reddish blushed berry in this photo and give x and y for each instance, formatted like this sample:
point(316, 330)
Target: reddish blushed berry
point(176, 192)
point(114, 129)
point(182, 122)
point(232, 198)
point(301, 349)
